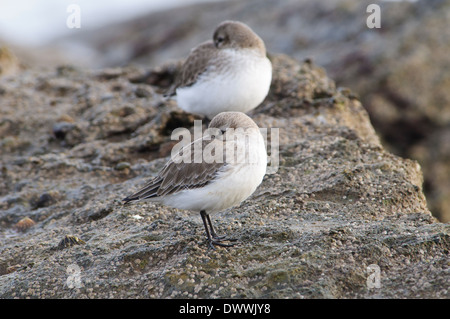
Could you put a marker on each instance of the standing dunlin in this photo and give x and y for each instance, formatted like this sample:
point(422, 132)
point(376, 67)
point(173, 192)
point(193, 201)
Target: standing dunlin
point(221, 169)
point(229, 73)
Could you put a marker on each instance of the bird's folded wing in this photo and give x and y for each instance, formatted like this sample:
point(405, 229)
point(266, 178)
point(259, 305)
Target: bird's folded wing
point(176, 176)
point(196, 63)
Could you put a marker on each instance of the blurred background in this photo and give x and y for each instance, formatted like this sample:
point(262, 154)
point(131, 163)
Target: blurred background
point(401, 71)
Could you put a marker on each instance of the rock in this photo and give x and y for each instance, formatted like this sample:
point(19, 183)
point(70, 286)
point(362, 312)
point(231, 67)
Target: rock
point(9, 63)
point(69, 241)
point(24, 224)
point(122, 166)
point(338, 206)
point(69, 133)
point(43, 200)
point(386, 67)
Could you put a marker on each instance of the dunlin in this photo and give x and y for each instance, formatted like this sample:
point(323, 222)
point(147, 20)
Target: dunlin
point(222, 169)
point(229, 73)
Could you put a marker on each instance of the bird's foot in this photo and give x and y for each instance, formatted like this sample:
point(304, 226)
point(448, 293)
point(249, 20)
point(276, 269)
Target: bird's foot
point(216, 240)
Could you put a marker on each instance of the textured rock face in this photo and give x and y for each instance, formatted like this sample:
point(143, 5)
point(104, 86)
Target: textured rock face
point(74, 143)
point(400, 71)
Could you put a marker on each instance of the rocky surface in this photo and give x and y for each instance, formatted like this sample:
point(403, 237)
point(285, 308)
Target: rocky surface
point(400, 72)
point(75, 142)
point(9, 64)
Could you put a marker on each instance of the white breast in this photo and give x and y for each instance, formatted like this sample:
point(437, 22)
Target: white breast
point(240, 86)
point(232, 186)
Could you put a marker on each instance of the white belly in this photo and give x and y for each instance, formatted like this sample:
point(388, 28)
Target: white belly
point(232, 186)
point(219, 195)
point(241, 87)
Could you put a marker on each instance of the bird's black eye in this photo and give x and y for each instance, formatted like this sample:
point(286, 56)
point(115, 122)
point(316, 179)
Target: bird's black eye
point(220, 40)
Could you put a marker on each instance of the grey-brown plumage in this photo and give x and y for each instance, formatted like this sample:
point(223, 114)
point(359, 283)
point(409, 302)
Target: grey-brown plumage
point(179, 175)
point(196, 63)
point(175, 177)
point(207, 56)
point(203, 184)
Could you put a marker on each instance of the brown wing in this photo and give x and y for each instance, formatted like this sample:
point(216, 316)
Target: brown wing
point(196, 63)
point(179, 176)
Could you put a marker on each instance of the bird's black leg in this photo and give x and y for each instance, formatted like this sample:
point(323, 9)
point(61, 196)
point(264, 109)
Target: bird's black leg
point(213, 238)
point(214, 234)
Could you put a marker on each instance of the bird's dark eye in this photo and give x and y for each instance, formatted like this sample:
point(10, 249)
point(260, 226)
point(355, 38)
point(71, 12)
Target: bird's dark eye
point(220, 39)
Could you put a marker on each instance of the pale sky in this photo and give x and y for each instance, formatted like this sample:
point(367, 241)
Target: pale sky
point(35, 22)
